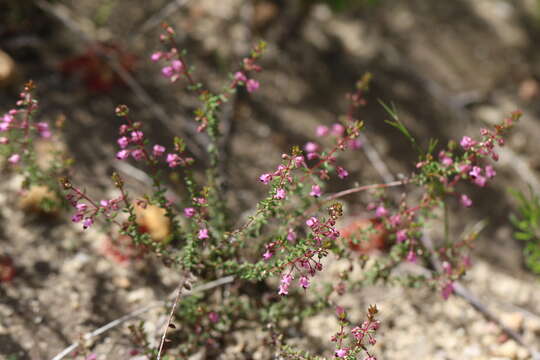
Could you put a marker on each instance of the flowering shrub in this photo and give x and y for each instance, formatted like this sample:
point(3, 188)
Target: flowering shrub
point(293, 233)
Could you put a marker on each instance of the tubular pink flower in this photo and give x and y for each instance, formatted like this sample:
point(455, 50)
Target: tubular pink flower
point(381, 211)
point(315, 191)
point(189, 212)
point(252, 85)
point(203, 234)
point(291, 235)
point(401, 236)
point(411, 257)
point(311, 147)
point(280, 194)
point(322, 130)
point(239, 76)
point(342, 173)
point(137, 154)
point(88, 222)
point(490, 172)
point(465, 201)
point(338, 129)
point(156, 56)
point(265, 178)
point(122, 154)
point(3, 140)
point(177, 65)
point(467, 143)
point(158, 150)
point(14, 159)
point(173, 160)
point(267, 255)
point(123, 142)
point(167, 71)
point(304, 282)
point(447, 290)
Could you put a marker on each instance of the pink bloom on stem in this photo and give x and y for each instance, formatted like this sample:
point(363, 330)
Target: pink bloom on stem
point(173, 160)
point(77, 217)
point(203, 234)
point(158, 150)
point(381, 211)
point(137, 136)
point(4, 126)
point(304, 282)
point(267, 255)
point(480, 181)
point(447, 267)
point(177, 65)
point(315, 191)
point(104, 203)
point(311, 147)
point(338, 129)
point(465, 201)
point(167, 71)
point(123, 142)
point(312, 221)
point(291, 235)
point(340, 353)
point(239, 76)
point(213, 316)
point(395, 220)
point(190, 212)
point(137, 154)
point(88, 222)
point(81, 207)
point(122, 154)
point(355, 144)
point(265, 178)
point(466, 143)
point(123, 129)
point(342, 173)
point(43, 129)
point(156, 56)
point(14, 159)
point(401, 236)
point(447, 290)
point(7, 118)
point(252, 85)
point(322, 130)
point(490, 172)
point(312, 156)
point(280, 194)
point(475, 172)
point(411, 257)
point(4, 140)
point(299, 161)
point(447, 161)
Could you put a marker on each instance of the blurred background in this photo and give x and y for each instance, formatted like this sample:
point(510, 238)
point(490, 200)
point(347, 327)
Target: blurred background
point(450, 68)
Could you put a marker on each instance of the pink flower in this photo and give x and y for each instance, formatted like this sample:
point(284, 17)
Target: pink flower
point(312, 221)
point(122, 154)
point(299, 161)
point(81, 207)
point(173, 160)
point(411, 256)
point(395, 220)
point(189, 212)
point(280, 194)
point(480, 181)
point(304, 282)
point(203, 234)
point(315, 191)
point(252, 85)
point(342, 173)
point(137, 154)
point(267, 255)
point(447, 267)
point(291, 235)
point(490, 172)
point(167, 71)
point(466, 143)
point(338, 129)
point(381, 211)
point(465, 201)
point(156, 56)
point(322, 130)
point(311, 147)
point(213, 316)
point(177, 65)
point(265, 178)
point(401, 235)
point(340, 353)
point(475, 172)
point(77, 217)
point(447, 290)
point(7, 118)
point(158, 150)
point(312, 156)
point(43, 129)
point(87, 222)
point(4, 126)
point(123, 142)
point(137, 136)
point(239, 76)
point(355, 144)
point(14, 159)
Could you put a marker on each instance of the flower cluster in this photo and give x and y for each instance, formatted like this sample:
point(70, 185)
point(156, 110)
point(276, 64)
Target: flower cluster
point(359, 335)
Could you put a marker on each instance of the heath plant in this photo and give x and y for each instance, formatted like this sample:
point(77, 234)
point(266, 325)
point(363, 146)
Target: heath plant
point(293, 234)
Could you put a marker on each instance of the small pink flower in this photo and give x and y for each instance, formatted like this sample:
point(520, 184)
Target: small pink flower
point(342, 173)
point(381, 211)
point(466, 143)
point(312, 221)
point(137, 154)
point(311, 147)
point(340, 353)
point(81, 207)
point(322, 130)
point(14, 159)
point(122, 154)
point(239, 76)
point(167, 71)
point(189, 212)
point(77, 217)
point(252, 85)
point(213, 316)
point(88, 222)
point(3, 140)
point(401, 236)
point(291, 235)
point(123, 142)
point(447, 267)
point(490, 172)
point(338, 129)
point(411, 257)
point(299, 161)
point(395, 220)
point(137, 136)
point(267, 255)
point(465, 201)
point(480, 181)
point(156, 56)
point(173, 160)
point(475, 172)
point(158, 150)
point(312, 156)
point(265, 178)
point(203, 234)
point(4, 127)
point(104, 203)
point(355, 144)
point(280, 194)
point(447, 290)
point(304, 282)
point(7, 118)
point(177, 65)
point(315, 191)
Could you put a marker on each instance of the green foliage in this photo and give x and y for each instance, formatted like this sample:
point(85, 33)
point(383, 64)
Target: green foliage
point(527, 224)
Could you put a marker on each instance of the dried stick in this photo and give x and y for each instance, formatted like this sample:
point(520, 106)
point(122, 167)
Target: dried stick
point(165, 12)
point(136, 313)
